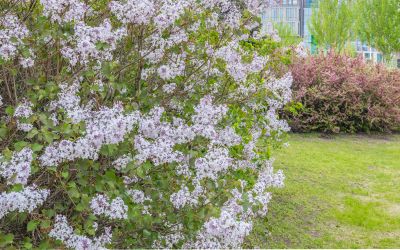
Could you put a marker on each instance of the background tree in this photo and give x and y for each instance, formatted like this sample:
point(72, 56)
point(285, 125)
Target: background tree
point(287, 35)
point(331, 23)
point(378, 24)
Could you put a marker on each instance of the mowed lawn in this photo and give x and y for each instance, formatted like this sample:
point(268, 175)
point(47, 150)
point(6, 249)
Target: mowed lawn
point(341, 192)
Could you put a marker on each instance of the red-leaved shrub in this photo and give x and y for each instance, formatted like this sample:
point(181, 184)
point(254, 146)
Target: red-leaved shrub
point(344, 94)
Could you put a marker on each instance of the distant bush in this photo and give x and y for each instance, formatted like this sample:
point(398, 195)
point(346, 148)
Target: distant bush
point(344, 94)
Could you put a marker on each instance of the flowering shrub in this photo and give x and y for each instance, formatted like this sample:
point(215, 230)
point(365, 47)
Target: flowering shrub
point(136, 123)
point(344, 94)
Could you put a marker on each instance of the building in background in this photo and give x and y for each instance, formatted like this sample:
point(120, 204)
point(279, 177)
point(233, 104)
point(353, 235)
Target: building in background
point(284, 12)
point(367, 53)
point(306, 8)
point(297, 13)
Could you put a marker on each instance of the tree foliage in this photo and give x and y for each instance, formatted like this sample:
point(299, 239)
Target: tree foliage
point(331, 23)
point(378, 24)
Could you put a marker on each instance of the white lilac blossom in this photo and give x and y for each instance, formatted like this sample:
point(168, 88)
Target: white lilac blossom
point(183, 169)
point(18, 169)
point(169, 88)
point(234, 65)
point(281, 89)
point(215, 161)
point(69, 101)
point(25, 200)
point(184, 196)
point(12, 33)
point(24, 110)
point(138, 196)
point(207, 113)
point(107, 126)
point(114, 209)
point(24, 127)
point(62, 11)
point(170, 11)
point(133, 11)
point(26, 62)
point(234, 223)
point(220, 233)
point(164, 72)
point(164, 136)
point(82, 46)
point(130, 179)
point(63, 232)
point(122, 161)
point(170, 240)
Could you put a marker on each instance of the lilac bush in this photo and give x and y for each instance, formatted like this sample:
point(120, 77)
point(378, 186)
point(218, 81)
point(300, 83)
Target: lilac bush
point(137, 124)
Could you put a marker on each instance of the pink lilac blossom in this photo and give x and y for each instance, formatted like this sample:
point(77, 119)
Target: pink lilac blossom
point(63, 232)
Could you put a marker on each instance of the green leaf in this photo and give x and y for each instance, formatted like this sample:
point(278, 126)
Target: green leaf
point(28, 245)
point(20, 145)
point(6, 239)
point(65, 174)
point(45, 224)
point(36, 147)
point(146, 233)
point(32, 225)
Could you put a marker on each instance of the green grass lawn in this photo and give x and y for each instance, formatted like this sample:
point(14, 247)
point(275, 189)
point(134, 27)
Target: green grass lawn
point(342, 192)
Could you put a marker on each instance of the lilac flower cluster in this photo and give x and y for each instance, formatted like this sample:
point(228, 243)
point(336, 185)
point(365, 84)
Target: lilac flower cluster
point(62, 11)
point(24, 110)
point(83, 48)
point(114, 209)
point(11, 36)
point(65, 233)
point(18, 170)
point(106, 126)
point(234, 223)
point(23, 201)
